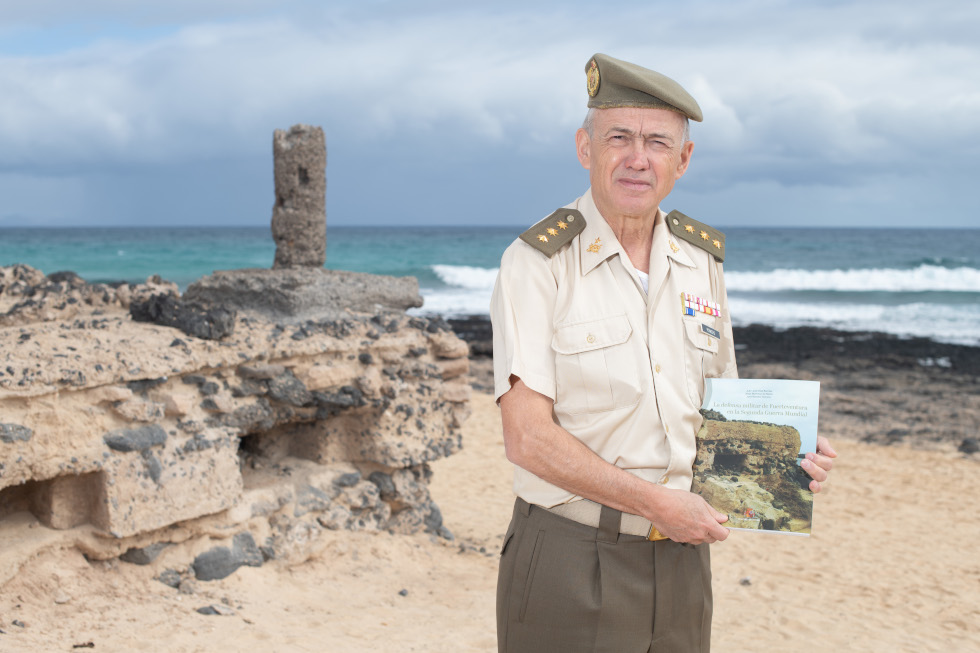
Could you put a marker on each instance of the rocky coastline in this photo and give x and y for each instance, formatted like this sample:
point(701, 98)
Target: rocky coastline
point(317, 441)
point(894, 390)
point(134, 419)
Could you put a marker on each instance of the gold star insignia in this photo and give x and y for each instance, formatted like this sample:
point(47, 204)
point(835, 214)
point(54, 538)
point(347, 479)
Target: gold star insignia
point(552, 232)
point(542, 238)
point(562, 225)
point(689, 229)
point(674, 247)
point(704, 235)
point(594, 247)
point(717, 244)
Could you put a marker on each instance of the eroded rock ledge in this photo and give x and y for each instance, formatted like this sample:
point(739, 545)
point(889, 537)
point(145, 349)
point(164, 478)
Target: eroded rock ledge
point(122, 437)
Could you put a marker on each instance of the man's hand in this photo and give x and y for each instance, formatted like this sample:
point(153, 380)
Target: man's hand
point(819, 464)
point(686, 517)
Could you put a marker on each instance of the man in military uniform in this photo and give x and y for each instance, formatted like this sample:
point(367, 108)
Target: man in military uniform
point(599, 370)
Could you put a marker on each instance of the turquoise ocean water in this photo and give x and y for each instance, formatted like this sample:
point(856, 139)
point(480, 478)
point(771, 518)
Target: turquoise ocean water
point(909, 282)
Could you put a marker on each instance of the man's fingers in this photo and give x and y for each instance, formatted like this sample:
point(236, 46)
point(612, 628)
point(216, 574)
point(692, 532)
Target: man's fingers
point(720, 533)
point(812, 468)
point(824, 448)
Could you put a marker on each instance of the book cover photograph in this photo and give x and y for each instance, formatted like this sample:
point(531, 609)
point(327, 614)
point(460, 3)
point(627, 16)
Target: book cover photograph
point(755, 433)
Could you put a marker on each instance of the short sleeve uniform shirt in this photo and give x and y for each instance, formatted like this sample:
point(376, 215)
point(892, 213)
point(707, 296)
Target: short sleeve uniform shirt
point(625, 368)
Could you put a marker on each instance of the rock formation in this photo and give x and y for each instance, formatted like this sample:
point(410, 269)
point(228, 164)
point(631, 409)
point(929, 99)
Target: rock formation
point(299, 216)
point(28, 296)
point(134, 434)
point(291, 401)
point(298, 294)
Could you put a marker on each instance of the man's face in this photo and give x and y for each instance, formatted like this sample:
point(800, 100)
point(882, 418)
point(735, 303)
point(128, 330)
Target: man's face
point(633, 157)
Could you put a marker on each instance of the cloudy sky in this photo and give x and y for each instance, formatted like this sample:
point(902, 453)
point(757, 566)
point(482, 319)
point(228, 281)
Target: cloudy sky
point(115, 112)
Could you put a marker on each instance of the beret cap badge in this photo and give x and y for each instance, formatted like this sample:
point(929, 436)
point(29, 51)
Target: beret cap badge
point(592, 78)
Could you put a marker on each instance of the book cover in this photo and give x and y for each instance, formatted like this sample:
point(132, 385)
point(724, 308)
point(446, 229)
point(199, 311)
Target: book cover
point(755, 433)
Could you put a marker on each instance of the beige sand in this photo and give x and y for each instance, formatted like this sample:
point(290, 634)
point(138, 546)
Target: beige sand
point(892, 566)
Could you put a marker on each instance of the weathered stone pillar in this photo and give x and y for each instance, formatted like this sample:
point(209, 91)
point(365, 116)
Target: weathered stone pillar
point(299, 217)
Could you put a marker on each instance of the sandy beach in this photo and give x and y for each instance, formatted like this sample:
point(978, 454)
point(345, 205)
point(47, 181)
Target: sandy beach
point(891, 564)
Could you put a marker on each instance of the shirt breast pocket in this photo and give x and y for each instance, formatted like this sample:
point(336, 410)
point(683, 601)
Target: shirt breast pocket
point(699, 349)
point(595, 365)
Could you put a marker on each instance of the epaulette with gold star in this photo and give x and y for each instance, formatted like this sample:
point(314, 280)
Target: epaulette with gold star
point(697, 233)
point(549, 235)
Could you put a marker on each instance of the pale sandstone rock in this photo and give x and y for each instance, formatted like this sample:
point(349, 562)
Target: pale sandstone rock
point(236, 429)
point(167, 484)
point(66, 501)
point(452, 368)
point(318, 377)
point(445, 344)
point(458, 392)
point(139, 410)
point(110, 393)
point(179, 404)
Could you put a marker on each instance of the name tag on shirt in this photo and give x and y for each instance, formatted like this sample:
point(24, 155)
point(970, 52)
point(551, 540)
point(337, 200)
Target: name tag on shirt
point(714, 333)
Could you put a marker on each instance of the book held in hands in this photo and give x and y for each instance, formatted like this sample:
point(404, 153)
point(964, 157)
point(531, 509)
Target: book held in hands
point(754, 436)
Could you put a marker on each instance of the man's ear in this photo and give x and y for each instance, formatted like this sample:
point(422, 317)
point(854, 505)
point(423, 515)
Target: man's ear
point(687, 149)
point(583, 147)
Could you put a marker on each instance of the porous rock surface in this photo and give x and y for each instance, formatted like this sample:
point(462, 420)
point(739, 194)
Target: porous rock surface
point(116, 435)
point(299, 294)
point(299, 215)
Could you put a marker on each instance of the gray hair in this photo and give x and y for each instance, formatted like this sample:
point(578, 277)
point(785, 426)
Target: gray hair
point(589, 124)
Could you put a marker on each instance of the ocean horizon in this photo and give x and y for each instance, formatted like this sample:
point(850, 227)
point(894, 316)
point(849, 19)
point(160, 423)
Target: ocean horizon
point(906, 282)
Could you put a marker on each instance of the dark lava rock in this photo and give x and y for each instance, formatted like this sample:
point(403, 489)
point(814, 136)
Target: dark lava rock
point(146, 555)
point(309, 499)
point(153, 466)
point(216, 609)
point(477, 332)
point(248, 418)
point(206, 322)
point(348, 480)
point(970, 445)
point(11, 433)
point(433, 521)
point(169, 577)
point(220, 562)
point(296, 294)
point(286, 388)
point(261, 372)
point(137, 439)
point(386, 486)
point(332, 403)
point(142, 385)
point(68, 277)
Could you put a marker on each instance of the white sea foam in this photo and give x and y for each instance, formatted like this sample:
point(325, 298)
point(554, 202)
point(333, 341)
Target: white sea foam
point(465, 276)
point(468, 289)
point(960, 326)
point(452, 302)
point(925, 278)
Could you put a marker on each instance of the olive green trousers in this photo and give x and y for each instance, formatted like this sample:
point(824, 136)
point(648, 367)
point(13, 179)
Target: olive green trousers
point(566, 587)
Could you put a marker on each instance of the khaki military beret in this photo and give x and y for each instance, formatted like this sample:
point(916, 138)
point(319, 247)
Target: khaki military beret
point(613, 83)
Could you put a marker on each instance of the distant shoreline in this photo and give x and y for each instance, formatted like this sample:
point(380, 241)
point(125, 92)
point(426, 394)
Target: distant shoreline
point(877, 387)
point(760, 343)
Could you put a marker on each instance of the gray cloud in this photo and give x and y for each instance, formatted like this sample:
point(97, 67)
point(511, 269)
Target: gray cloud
point(817, 96)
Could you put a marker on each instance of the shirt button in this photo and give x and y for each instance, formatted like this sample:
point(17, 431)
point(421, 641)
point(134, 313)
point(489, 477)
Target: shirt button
point(657, 368)
point(665, 480)
point(590, 338)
